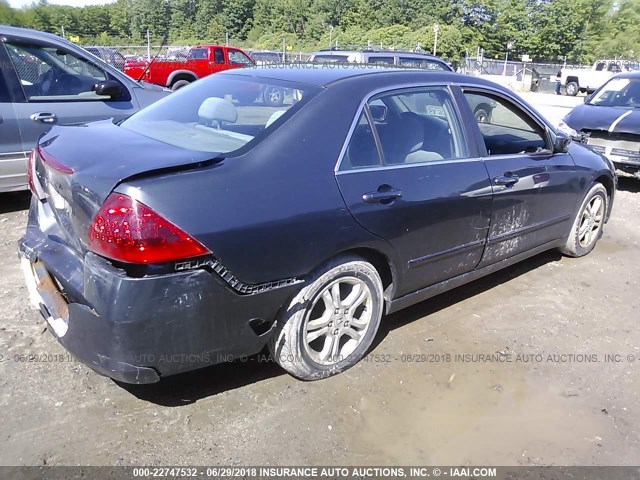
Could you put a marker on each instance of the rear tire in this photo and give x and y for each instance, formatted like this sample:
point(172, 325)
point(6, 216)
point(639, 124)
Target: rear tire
point(572, 89)
point(588, 224)
point(482, 115)
point(273, 96)
point(331, 323)
point(179, 84)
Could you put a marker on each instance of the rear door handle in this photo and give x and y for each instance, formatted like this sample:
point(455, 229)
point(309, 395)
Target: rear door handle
point(507, 179)
point(384, 196)
point(42, 117)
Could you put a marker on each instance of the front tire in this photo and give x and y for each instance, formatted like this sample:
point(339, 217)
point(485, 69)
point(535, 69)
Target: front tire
point(572, 89)
point(331, 323)
point(588, 224)
point(179, 84)
point(482, 115)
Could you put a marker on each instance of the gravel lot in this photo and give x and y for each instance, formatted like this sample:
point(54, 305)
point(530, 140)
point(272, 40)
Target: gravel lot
point(552, 397)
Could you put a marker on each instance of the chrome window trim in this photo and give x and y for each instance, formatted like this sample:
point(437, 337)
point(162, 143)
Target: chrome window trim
point(378, 91)
point(411, 165)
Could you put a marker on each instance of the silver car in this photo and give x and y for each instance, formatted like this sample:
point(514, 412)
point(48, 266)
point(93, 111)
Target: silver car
point(47, 80)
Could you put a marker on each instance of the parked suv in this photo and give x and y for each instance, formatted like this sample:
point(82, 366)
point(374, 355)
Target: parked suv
point(46, 80)
point(381, 57)
point(482, 107)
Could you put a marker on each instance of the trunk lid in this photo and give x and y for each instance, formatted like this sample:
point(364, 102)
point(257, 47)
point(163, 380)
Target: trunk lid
point(81, 165)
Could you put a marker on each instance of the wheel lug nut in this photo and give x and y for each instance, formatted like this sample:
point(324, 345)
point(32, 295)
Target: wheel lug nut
point(346, 311)
point(336, 332)
point(330, 324)
point(337, 311)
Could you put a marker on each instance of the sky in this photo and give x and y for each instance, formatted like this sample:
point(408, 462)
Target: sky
point(73, 3)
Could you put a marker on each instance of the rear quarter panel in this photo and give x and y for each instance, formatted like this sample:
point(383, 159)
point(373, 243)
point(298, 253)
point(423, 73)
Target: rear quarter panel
point(275, 212)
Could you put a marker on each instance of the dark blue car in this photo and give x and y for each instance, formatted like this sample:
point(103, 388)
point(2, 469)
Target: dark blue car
point(207, 227)
point(609, 121)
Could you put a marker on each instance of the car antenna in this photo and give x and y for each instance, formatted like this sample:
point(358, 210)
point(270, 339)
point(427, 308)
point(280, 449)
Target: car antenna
point(146, 69)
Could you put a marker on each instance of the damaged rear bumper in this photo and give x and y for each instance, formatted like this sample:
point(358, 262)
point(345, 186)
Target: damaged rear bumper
point(137, 330)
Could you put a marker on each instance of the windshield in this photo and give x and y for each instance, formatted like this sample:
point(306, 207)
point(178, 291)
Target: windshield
point(220, 113)
point(618, 92)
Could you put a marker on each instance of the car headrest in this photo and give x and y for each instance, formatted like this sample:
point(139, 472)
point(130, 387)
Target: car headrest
point(404, 135)
point(218, 109)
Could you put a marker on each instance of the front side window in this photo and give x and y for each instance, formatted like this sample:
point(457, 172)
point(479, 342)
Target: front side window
point(239, 58)
point(505, 127)
point(51, 73)
point(219, 114)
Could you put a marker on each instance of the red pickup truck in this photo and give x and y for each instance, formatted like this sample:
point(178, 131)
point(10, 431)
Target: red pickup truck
point(201, 61)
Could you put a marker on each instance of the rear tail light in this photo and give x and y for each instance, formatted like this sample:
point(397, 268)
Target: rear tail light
point(128, 231)
point(50, 162)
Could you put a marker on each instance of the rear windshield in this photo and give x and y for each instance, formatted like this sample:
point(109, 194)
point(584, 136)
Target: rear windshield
point(220, 113)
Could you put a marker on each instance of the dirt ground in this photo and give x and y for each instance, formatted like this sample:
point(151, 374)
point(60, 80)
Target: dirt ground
point(509, 370)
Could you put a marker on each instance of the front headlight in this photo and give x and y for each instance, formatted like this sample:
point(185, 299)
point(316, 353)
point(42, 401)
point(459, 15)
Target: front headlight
point(564, 128)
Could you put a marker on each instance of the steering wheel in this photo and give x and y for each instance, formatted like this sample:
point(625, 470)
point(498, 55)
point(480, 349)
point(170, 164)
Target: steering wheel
point(66, 84)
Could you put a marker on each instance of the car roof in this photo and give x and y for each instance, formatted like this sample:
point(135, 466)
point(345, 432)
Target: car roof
point(634, 74)
point(376, 52)
point(323, 75)
point(30, 34)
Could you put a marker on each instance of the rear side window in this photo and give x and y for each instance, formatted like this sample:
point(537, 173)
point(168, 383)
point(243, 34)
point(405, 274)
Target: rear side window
point(361, 151)
point(412, 126)
point(220, 113)
point(330, 58)
point(423, 63)
point(381, 60)
point(420, 125)
point(199, 54)
point(218, 56)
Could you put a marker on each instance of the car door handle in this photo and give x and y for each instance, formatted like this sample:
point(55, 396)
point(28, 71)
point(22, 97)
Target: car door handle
point(507, 180)
point(42, 117)
point(382, 196)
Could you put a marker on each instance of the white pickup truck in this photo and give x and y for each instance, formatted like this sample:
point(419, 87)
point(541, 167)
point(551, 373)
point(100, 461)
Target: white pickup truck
point(585, 80)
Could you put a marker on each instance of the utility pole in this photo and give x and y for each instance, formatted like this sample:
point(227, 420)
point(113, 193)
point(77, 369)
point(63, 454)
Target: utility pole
point(148, 46)
point(506, 58)
point(63, 32)
point(226, 38)
point(436, 29)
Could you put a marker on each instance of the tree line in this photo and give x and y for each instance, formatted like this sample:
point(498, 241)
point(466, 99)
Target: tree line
point(546, 30)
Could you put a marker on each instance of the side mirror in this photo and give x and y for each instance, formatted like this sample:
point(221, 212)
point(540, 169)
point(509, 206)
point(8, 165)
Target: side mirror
point(561, 142)
point(378, 112)
point(108, 88)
